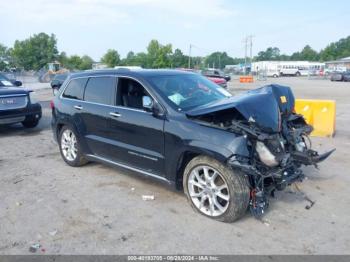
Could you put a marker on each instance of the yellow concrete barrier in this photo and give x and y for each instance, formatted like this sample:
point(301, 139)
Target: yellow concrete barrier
point(318, 113)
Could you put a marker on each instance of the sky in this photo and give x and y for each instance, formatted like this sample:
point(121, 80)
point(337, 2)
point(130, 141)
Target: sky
point(93, 26)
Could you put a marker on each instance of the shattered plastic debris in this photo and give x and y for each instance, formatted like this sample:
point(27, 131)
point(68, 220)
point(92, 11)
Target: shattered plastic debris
point(33, 248)
point(133, 189)
point(53, 233)
point(147, 197)
point(18, 204)
point(266, 222)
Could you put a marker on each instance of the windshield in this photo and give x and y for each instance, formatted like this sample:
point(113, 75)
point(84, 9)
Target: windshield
point(187, 91)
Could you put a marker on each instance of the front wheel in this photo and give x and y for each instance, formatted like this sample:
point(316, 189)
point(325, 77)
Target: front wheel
point(30, 122)
point(215, 190)
point(70, 148)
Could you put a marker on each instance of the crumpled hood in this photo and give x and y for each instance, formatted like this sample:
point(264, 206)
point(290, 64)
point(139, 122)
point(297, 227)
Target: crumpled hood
point(262, 105)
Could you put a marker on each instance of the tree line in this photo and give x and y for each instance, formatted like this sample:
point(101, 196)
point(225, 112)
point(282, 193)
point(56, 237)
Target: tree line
point(333, 51)
point(40, 49)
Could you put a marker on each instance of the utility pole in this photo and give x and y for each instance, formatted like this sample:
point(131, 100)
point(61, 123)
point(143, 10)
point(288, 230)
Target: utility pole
point(248, 40)
point(189, 57)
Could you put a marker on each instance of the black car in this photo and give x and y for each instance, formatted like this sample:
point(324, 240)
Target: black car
point(17, 106)
point(216, 73)
point(341, 76)
point(4, 77)
point(227, 152)
point(57, 82)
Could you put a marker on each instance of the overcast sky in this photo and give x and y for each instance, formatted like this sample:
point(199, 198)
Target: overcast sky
point(93, 26)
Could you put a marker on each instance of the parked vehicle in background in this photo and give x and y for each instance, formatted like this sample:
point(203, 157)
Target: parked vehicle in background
point(57, 82)
point(287, 68)
point(47, 73)
point(18, 106)
point(217, 80)
point(227, 153)
point(341, 76)
point(9, 77)
point(212, 72)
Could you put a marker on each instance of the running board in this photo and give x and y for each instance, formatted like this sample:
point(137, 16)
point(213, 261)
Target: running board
point(107, 161)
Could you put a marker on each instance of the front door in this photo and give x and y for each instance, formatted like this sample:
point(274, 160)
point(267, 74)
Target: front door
point(138, 135)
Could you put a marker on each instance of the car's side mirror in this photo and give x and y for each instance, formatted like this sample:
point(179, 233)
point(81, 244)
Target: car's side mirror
point(17, 83)
point(147, 103)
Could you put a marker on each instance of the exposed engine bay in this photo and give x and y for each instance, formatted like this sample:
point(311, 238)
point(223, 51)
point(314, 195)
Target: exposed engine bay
point(277, 139)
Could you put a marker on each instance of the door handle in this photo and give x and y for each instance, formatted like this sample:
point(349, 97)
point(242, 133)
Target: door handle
point(114, 114)
point(78, 107)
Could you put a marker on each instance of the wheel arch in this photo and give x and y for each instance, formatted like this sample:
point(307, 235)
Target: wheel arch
point(187, 155)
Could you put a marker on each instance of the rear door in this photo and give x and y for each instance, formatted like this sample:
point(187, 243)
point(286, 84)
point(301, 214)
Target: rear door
point(99, 98)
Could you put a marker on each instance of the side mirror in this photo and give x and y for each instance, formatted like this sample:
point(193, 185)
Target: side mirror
point(147, 103)
point(17, 83)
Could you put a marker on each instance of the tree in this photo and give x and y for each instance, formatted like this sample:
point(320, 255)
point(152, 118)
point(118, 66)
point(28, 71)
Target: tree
point(86, 63)
point(4, 57)
point(158, 56)
point(307, 54)
point(178, 59)
point(271, 54)
point(221, 59)
point(111, 58)
point(336, 50)
point(35, 52)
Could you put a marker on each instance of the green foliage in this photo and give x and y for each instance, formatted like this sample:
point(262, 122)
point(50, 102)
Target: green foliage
point(307, 53)
point(35, 52)
point(336, 50)
point(158, 56)
point(270, 54)
point(5, 57)
point(220, 60)
point(178, 59)
point(40, 49)
point(111, 58)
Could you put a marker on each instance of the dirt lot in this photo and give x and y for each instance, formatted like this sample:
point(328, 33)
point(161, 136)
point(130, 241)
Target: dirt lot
point(99, 210)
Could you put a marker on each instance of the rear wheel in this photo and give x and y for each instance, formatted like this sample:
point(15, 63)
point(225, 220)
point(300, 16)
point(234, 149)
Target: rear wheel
point(215, 190)
point(297, 74)
point(70, 148)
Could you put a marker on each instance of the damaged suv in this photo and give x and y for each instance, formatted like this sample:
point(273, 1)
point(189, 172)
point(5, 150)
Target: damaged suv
point(228, 153)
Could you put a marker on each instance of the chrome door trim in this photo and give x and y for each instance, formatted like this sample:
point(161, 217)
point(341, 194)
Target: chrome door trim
point(128, 167)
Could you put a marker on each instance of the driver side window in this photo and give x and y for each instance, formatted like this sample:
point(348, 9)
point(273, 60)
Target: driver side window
point(130, 93)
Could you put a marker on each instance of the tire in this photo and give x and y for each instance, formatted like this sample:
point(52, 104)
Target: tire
point(297, 74)
point(275, 76)
point(30, 122)
point(76, 159)
point(237, 189)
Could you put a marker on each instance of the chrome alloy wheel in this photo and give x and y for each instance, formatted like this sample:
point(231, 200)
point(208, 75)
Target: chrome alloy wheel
point(69, 145)
point(208, 190)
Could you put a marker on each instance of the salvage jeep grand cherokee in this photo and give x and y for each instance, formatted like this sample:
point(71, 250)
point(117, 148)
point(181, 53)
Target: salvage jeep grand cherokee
point(227, 152)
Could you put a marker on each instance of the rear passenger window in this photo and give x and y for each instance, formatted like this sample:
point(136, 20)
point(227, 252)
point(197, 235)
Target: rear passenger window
point(100, 90)
point(75, 89)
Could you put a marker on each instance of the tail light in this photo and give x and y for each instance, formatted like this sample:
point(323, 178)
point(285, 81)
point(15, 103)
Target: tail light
point(52, 105)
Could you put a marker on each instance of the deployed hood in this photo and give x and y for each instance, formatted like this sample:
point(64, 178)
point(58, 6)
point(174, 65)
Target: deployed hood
point(262, 106)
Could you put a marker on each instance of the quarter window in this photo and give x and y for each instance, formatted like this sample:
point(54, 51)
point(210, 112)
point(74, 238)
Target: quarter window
point(100, 90)
point(75, 89)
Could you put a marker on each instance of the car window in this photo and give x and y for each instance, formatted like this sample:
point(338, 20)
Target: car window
point(130, 93)
point(186, 91)
point(75, 89)
point(100, 90)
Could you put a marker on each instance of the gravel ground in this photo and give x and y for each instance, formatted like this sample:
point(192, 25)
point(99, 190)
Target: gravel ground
point(97, 209)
